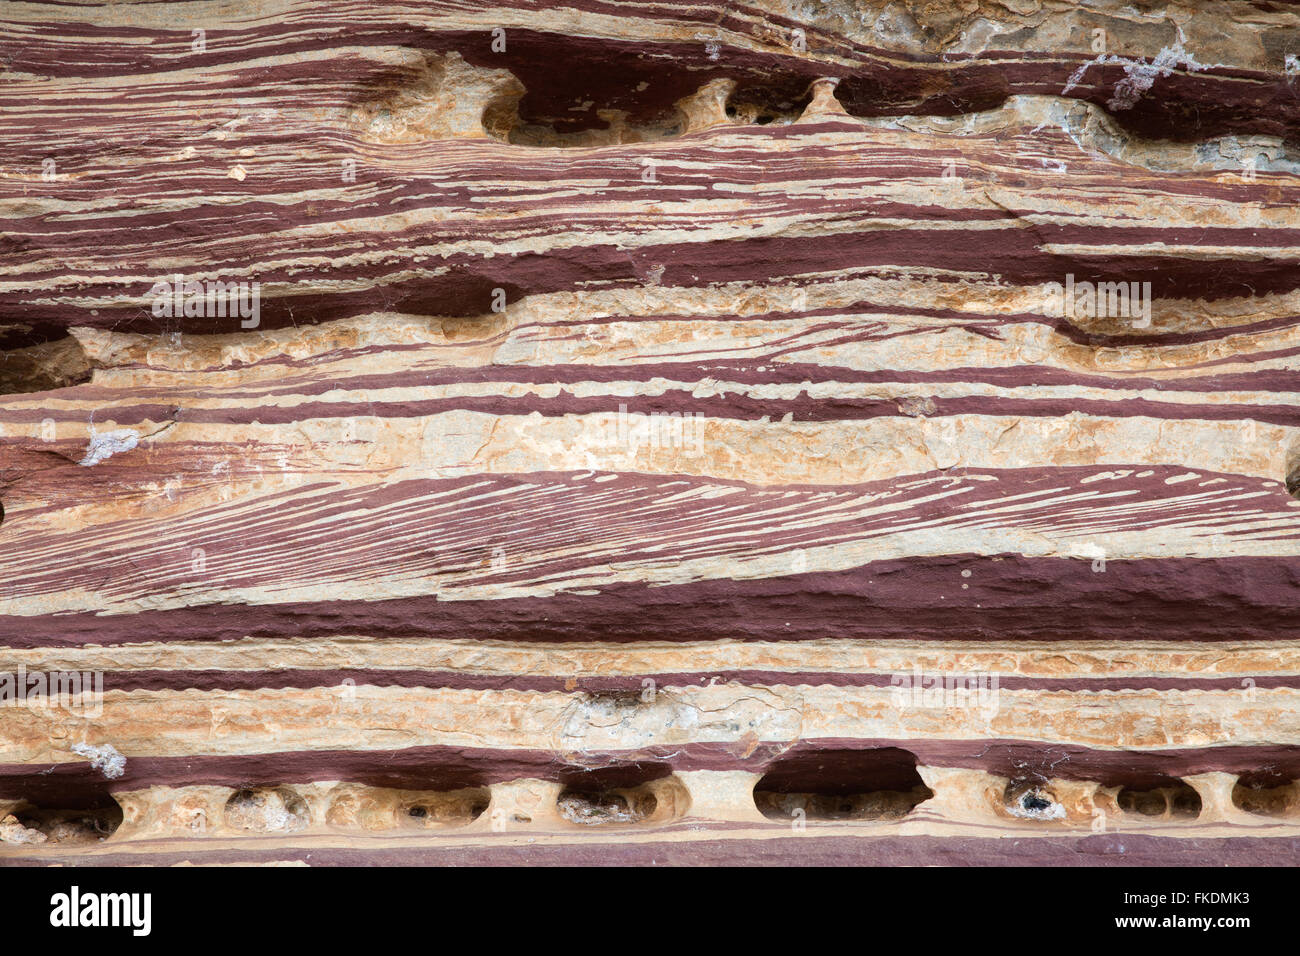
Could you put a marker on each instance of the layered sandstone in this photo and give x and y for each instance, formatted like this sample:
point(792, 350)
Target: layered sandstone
point(644, 405)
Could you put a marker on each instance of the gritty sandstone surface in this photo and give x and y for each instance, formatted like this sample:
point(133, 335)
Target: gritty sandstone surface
point(661, 432)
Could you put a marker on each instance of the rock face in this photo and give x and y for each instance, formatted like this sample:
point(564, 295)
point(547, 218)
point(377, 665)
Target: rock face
point(620, 432)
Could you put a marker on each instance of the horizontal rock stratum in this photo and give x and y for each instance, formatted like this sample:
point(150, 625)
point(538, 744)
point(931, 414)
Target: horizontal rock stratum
point(620, 432)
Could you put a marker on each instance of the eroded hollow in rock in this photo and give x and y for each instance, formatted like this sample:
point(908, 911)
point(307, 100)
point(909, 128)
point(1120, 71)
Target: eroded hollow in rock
point(267, 810)
point(606, 807)
point(64, 827)
point(612, 796)
point(761, 106)
point(44, 366)
point(1169, 799)
point(1267, 794)
point(1031, 800)
point(880, 784)
point(455, 808)
point(752, 106)
point(352, 805)
point(428, 96)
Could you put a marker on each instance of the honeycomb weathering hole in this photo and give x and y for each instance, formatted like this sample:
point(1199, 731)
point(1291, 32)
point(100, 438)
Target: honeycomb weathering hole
point(842, 785)
point(619, 796)
point(75, 827)
point(607, 807)
point(1032, 801)
point(384, 808)
point(267, 810)
point(450, 809)
point(1166, 799)
point(1268, 795)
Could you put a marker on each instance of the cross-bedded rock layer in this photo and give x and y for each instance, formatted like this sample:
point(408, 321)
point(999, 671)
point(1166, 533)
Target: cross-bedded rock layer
point(763, 433)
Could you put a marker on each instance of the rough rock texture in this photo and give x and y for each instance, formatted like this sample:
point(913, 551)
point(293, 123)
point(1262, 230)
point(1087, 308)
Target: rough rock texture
point(664, 433)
